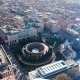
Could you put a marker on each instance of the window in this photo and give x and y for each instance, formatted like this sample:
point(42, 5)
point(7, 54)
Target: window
point(62, 63)
point(10, 42)
point(15, 41)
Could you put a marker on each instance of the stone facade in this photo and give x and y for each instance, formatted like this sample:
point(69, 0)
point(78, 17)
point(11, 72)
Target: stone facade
point(66, 50)
point(36, 49)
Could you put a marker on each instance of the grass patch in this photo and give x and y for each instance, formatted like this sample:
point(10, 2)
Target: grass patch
point(55, 42)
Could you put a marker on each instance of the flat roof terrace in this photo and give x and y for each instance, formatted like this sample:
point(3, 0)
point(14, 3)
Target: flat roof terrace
point(8, 29)
point(53, 68)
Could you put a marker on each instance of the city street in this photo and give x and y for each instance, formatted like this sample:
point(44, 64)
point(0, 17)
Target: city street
point(17, 69)
point(19, 74)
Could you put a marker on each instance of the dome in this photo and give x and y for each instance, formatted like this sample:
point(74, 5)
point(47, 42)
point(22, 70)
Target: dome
point(66, 43)
point(34, 14)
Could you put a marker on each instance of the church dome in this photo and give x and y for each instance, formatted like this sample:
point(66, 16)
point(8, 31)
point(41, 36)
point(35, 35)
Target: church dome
point(66, 43)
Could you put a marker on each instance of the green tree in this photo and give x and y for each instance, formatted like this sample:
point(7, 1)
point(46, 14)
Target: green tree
point(54, 44)
point(62, 77)
point(74, 72)
point(39, 37)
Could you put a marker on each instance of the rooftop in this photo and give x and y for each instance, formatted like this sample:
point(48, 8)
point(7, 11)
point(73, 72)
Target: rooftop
point(34, 74)
point(68, 52)
point(11, 77)
point(51, 68)
point(73, 32)
point(7, 29)
point(71, 63)
point(40, 79)
point(75, 27)
point(5, 67)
